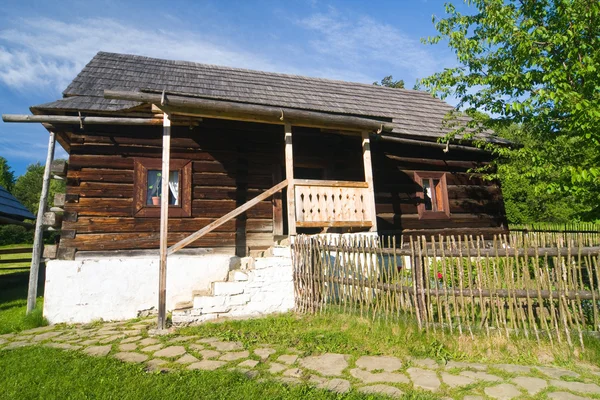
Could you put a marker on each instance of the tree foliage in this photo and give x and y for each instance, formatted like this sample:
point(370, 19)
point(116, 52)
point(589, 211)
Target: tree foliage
point(534, 63)
point(389, 81)
point(28, 187)
point(7, 176)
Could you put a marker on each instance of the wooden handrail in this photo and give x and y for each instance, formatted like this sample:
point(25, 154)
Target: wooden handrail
point(230, 215)
point(315, 182)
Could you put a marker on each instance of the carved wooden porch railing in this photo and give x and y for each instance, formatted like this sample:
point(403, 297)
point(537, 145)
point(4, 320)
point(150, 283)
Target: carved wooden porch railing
point(332, 204)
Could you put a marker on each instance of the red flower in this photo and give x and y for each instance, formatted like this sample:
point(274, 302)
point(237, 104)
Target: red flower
point(440, 276)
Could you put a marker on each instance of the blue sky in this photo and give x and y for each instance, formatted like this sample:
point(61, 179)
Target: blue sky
point(44, 44)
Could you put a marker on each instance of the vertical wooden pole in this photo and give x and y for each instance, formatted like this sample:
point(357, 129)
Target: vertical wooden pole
point(289, 175)
point(38, 241)
point(164, 223)
point(370, 201)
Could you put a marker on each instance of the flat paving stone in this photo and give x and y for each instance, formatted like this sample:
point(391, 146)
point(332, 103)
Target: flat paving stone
point(139, 326)
point(98, 351)
point(588, 388)
point(328, 364)
point(37, 330)
point(155, 364)
point(381, 389)
point(16, 345)
point(425, 363)
point(89, 341)
point(170, 352)
point(336, 385)
point(131, 339)
point(288, 359)
point(206, 354)
point(288, 380)
point(110, 339)
point(532, 385)
point(456, 380)
point(131, 332)
point(128, 347)
point(465, 365)
point(248, 364)
point(187, 359)
point(148, 341)
point(196, 347)
point(504, 391)
point(152, 349)
point(513, 369)
point(2, 341)
point(481, 376)
point(46, 336)
point(63, 346)
point(131, 357)
point(472, 397)
point(264, 352)
point(235, 355)
point(180, 339)
point(276, 368)
point(385, 363)
point(565, 396)
point(424, 378)
point(369, 377)
point(7, 335)
point(209, 340)
point(227, 346)
point(557, 373)
point(293, 372)
point(208, 365)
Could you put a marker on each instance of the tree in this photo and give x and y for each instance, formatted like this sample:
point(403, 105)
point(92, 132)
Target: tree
point(28, 187)
point(389, 81)
point(7, 176)
point(534, 63)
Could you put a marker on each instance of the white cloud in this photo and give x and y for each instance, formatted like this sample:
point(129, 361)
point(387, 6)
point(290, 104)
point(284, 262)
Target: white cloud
point(365, 43)
point(43, 52)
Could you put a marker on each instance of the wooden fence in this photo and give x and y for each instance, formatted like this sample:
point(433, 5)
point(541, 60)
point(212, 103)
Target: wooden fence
point(511, 285)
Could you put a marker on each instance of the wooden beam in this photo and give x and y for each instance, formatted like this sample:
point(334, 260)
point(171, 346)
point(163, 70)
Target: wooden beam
point(59, 168)
point(277, 204)
point(230, 215)
point(38, 240)
point(185, 105)
point(334, 224)
point(316, 182)
point(370, 201)
point(289, 175)
point(425, 143)
point(65, 119)
point(164, 223)
point(52, 219)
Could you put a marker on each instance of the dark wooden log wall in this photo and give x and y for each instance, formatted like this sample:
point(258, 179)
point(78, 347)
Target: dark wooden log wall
point(476, 205)
point(232, 163)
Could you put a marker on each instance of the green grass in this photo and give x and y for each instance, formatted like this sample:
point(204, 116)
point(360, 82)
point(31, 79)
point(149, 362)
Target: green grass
point(37, 372)
point(13, 304)
point(14, 268)
point(343, 333)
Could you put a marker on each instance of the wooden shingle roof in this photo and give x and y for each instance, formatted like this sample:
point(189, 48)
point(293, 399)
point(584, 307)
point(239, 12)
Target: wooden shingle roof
point(411, 112)
point(11, 208)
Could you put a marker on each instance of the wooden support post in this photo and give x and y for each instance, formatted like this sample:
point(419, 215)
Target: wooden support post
point(370, 201)
point(38, 240)
point(289, 175)
point(164, 222)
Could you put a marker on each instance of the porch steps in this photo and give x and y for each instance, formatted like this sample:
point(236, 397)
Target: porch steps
point(251, 288)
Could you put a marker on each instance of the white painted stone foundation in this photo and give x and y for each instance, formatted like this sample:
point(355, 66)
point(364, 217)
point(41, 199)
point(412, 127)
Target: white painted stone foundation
point(117, 288)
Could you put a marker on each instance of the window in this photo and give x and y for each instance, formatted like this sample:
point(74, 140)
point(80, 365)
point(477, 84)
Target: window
point(433, 195)
point(148, 187)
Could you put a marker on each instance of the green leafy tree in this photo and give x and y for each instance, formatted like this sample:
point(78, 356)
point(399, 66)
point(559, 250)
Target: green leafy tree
point(7, 176)
point(28, 187)
point(389, 81)
point(533, 63)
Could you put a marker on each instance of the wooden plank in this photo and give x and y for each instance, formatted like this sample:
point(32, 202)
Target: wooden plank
point(59, 168)
point(164, 223)
point(369, 199)
point(335, 184)
point(39, 226)
point(227, 217)
point(50, 251)
point(334, 224)
point(100, 175)
point(99, 161)
point(289, 175)
point(64, 119)
point(277, 204)
point(59, 199)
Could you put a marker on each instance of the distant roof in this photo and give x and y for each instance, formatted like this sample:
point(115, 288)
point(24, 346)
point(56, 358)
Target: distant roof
point(411, 112)
point(12, 208)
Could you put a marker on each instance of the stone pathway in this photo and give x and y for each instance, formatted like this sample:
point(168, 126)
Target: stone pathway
point(389, 376)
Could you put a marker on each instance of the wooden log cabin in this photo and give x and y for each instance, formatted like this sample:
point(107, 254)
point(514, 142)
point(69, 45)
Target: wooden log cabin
point(353, 157)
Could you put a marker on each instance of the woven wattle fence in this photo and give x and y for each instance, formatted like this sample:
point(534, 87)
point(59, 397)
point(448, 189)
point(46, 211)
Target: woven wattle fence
point(542, 286)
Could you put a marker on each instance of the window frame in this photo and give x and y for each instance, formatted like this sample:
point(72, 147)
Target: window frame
point(430, 214)
point(140, 191)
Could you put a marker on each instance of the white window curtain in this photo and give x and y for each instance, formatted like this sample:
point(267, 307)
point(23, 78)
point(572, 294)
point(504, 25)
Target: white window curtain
point(174, 186)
